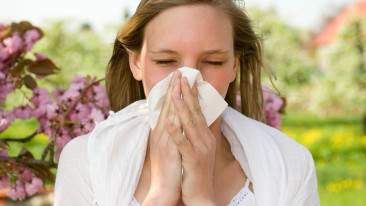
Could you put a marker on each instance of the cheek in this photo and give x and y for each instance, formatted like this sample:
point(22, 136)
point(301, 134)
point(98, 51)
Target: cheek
point(151, 75)
point(220, 80)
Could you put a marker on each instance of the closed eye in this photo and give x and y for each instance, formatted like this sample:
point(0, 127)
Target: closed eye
point(214, 63)
point(164, 61)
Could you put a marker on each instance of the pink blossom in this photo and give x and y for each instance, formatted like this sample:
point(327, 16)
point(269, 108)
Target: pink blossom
point(40, 96)
point(23, 111)
point(5, 89)
point(273, 119)
point(13, 44)
point(57, 94)
point(5, 119)
point(4, 181)
point(40, 56)
point(3, 153)
point(46, 127)
point(53, 110)
point(30, 38)
point(2, 76)
point(70, 95)
point(101, 96)
point(79, 129)
point(24, 173)
point(81, 112)
point(62, 138)
point(95, 116)
point(77, 87)
point(58, 153)
point(43, 121)
point(78, 80)
point(40, 111)
point(273, 102)
point(4, 55)
point(17, 191)
point(34, 186)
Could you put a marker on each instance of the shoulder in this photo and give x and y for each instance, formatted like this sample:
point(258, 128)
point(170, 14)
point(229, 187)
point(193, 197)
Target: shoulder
point(77, 147)
point(291, 150)
point(74, 157)
point(296, 156)
point(72, 185)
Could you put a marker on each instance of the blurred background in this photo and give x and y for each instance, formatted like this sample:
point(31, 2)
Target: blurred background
point(315, 48)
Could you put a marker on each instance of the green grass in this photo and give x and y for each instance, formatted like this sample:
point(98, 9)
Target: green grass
point(339, 151)
point(352, 197)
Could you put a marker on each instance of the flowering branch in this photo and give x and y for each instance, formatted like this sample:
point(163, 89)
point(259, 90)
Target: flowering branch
point(81, 96)
point(72, 112)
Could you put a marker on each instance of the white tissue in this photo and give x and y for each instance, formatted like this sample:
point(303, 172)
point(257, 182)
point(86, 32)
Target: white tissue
point(211, 102)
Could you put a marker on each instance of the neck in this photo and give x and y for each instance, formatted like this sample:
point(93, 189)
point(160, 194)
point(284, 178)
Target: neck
point(223, 153)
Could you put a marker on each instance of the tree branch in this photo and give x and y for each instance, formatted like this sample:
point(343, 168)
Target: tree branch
point(80, 97)
point(29, 161)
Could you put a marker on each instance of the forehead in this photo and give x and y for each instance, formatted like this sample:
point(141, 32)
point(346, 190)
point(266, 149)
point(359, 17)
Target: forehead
point(201, 26)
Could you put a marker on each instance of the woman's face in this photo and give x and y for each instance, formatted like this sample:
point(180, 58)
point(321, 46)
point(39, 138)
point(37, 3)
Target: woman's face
point(196, 36)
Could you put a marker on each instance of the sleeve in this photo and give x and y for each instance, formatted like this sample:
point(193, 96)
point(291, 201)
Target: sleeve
point(307, 195)
point(73, 186)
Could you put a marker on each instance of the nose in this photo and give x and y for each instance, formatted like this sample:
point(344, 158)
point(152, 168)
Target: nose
point(191, 64)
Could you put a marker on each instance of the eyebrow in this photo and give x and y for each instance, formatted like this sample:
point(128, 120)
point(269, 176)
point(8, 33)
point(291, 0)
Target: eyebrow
point(214, 51)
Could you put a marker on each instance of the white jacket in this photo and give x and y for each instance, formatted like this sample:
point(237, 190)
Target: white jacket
point(103, 167)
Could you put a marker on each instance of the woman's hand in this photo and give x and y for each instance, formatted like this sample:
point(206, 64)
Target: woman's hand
point(197, 146)
point(165, 159)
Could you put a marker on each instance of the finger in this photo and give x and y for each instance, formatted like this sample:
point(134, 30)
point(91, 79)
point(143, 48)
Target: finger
point(187, 121)
point(190, 97)
point(195, 92)
point(167, 102)
point(172, 113)
point(182, 143)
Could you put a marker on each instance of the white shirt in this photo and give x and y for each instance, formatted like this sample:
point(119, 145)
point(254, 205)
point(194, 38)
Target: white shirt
point(244, 197)
point(104, 166)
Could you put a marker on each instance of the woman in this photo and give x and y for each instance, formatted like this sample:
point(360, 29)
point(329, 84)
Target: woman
point(183, 160)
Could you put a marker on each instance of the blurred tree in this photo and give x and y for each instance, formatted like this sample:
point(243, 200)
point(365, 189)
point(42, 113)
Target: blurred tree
point(76, 51)
point(285, 50)
point(343, 85)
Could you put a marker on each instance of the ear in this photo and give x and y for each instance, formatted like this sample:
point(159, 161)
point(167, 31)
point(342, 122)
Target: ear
point(236, 66)
point(135, 66)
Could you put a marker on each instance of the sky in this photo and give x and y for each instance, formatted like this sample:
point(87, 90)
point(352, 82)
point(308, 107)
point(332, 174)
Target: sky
point(303, 14)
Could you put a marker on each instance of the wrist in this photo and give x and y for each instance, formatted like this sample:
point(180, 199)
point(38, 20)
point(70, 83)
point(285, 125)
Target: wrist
point(158, 198)
point(151, 200)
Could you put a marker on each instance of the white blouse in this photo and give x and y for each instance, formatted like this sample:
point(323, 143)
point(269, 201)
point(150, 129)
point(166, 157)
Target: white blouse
point(245, 197)
point(103, 167)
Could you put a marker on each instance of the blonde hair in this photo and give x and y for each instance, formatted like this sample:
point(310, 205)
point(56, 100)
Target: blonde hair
point(123, 89)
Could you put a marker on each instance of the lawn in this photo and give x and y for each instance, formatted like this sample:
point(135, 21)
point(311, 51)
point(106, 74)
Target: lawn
point(339, 151)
